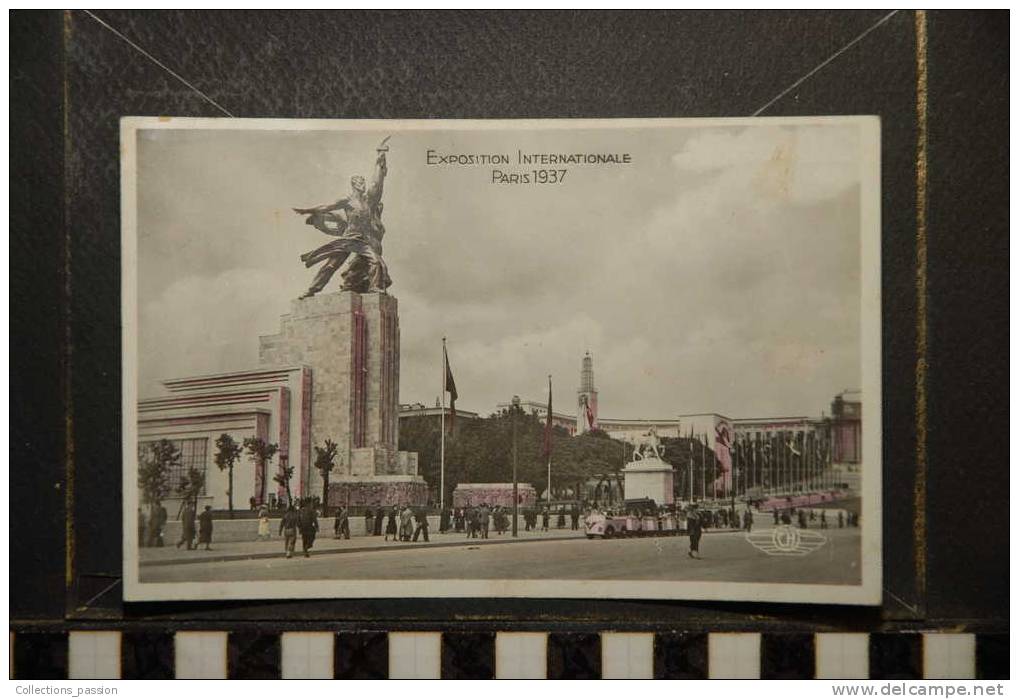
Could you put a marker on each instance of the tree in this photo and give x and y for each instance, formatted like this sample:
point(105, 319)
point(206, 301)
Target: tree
point(283, 477)
point(420, 434)
point(261, 454)
point(482, 452)
point(156, 461)
point(227, 453)
point(325, 461)
point(696, 465)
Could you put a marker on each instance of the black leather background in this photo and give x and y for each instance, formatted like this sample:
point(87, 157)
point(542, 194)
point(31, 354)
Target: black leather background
point(72, 78)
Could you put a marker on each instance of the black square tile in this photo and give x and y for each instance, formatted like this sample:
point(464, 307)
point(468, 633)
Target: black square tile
point(40, 656)
point(992, 656)
point(681, 656)
point(361, 655)
point(146, 656)
point(896, 656)
point(253, 656)
point(574, 656)
point(787, 656)
point(468, 656)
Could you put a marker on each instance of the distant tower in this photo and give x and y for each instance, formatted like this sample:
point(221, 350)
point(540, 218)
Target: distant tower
point(587, 396)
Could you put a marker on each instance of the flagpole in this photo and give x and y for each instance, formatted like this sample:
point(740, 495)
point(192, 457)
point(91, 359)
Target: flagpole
point(515, 497)
point(704, 471)
point(797, 466)
point(790, 465)
point(811, 482)
point(690, 470)
point(442, 431)
point(793, 465)
point(801, 462)
point(548, 493)
point(754, 448)
point(786, 436)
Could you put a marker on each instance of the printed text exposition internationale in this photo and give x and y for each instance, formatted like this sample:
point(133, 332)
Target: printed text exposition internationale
point(549, 168)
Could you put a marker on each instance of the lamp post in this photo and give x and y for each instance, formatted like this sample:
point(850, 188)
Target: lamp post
point(513, 418)
point(732, 491)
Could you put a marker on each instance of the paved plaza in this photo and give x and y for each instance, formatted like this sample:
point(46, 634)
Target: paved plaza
point(558, 554)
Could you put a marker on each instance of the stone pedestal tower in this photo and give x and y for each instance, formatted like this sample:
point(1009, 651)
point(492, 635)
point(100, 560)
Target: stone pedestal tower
point(587, 397)
point(351, 343)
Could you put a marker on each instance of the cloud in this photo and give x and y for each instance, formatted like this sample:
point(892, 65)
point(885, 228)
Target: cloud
point(204, 325)
point(719, 273)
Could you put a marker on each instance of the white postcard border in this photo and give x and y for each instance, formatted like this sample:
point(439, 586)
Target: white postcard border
point(866, 593)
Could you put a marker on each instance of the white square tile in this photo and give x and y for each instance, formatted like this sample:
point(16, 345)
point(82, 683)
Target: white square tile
point(627, 656)
point(306, 656)
point(734, 656)
point(200, 655)
point(93, 655)
point(842, 656)
point(949, 656)
point(521, 656)
point(415, 656)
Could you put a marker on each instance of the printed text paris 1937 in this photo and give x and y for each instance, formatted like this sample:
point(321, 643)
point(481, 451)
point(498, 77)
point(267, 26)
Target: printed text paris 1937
point(552, 168)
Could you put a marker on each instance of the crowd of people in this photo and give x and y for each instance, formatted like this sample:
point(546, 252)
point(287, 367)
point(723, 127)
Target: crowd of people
point(397, 523)
point(476, 521)
point(821, 518)
point(152, 526)
point(405, 523)
point(299, 517)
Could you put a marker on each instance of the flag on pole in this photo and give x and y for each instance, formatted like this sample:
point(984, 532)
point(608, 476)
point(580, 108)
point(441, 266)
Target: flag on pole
point(589, 413)
point(450, 388)
point(723, 452)
point(546, 451)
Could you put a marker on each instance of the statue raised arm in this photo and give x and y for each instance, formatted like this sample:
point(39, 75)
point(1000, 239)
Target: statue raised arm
point(356, 221)
point(379, 176)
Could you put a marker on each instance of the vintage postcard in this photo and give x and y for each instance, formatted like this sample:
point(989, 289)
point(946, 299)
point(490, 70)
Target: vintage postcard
point(633, 358)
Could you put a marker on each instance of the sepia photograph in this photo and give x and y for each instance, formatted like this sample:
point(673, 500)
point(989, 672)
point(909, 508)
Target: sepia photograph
point(615, 359)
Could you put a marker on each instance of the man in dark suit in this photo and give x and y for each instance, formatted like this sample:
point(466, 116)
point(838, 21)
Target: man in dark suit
point(308, 519)
point(693, 528)
point(205, 528)
point(187, 525)
point(341, 525)
point(161, 516)
point(288, 528)
point(421, 518)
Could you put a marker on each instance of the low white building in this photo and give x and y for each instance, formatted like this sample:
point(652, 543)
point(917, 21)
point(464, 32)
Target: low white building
point(271, 404)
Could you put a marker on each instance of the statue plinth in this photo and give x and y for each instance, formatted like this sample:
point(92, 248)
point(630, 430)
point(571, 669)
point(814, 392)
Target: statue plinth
point(351, 343)
point(649, 477)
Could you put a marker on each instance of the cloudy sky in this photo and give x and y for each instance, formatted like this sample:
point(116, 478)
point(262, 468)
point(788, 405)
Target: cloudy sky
point(718, 272)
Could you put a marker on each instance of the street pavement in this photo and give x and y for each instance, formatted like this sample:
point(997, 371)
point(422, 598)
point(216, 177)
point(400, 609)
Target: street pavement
point(325, 543)
point(726, 556)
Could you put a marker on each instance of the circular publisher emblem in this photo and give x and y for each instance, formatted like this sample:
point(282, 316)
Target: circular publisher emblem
point(785, 540)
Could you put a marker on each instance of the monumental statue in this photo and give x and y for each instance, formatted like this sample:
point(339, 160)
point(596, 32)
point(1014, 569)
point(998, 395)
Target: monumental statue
point(347, 345)
point(649, 446)
point(648, 476)
point(355, 221)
